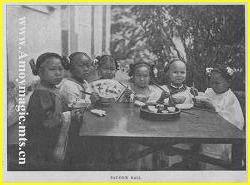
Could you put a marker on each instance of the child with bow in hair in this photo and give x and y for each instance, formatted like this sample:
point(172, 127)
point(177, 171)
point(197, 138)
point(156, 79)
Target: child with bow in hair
point(78, 95)
point(106, 66)
point(220, 98)
point(45, 108)
point(140, 86)
point(75, 89)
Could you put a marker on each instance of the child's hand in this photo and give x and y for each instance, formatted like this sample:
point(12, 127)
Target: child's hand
point(164, 95)
point(204, 104)
point(78, 114)
point(95, 97)
point(179, 100)
point(194, 91)
point(209, 105)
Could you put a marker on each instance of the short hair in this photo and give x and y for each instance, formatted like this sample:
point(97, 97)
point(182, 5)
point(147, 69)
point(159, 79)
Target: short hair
point(167, 66)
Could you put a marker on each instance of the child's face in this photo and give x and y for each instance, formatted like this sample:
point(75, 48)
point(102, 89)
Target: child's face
point(52, 71)
point(177, 72)
point(107, 70)
point(218, 83)
point(80, 67)
point(141, 76)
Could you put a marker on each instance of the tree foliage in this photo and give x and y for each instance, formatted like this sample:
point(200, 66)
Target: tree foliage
point(201, 35)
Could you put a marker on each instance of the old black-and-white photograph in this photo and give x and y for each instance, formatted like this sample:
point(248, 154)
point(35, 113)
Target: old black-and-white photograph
point(126, 89)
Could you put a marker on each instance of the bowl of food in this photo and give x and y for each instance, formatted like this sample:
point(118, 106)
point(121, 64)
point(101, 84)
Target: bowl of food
point(159, 112)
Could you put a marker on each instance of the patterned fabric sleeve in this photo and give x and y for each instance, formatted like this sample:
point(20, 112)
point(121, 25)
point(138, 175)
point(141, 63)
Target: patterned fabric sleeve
point(70, 92)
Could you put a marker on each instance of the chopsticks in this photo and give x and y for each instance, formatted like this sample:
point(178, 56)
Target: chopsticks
point(126, 87)
point(86, 93)
point(123, 84)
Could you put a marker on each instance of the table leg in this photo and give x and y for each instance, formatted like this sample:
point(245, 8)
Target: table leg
point(193, 158)
point(238, 155)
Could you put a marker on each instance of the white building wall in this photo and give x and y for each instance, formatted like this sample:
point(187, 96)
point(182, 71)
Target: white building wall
point(41, 36)
point(108, 29)
point(98, 29)
point(44, 32)
point(83, 28)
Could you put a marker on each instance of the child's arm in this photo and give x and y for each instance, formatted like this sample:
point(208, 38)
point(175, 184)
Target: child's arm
point(203, 101)
point(231, 110)
point(72, 96)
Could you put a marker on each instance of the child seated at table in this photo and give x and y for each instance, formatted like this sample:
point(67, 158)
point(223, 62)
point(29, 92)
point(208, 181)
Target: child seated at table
point(45, 108)
point(78, 96)
point(140, 85)
point(75, 89)
point(179, 95)
point(106, 66)
point(176, 92)
point(221, 98)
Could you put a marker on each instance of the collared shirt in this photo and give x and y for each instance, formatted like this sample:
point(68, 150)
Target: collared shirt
point(177, 92)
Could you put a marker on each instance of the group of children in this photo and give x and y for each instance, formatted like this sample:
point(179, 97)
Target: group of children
point(56, 94)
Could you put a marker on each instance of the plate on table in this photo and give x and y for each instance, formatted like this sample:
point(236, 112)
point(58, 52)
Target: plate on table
point(108, 89)
point(159, 112)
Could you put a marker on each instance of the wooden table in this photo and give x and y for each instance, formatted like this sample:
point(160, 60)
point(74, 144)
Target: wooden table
point(123, 122)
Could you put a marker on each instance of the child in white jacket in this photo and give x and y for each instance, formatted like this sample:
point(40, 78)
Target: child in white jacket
point(225, 103)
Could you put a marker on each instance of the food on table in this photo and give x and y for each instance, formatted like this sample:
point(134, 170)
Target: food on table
point(98, 112)
point(166, 101)
point(159, 112)
point(152, 108)
point(160, 108)
point(171, 109)
point(164, 112)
